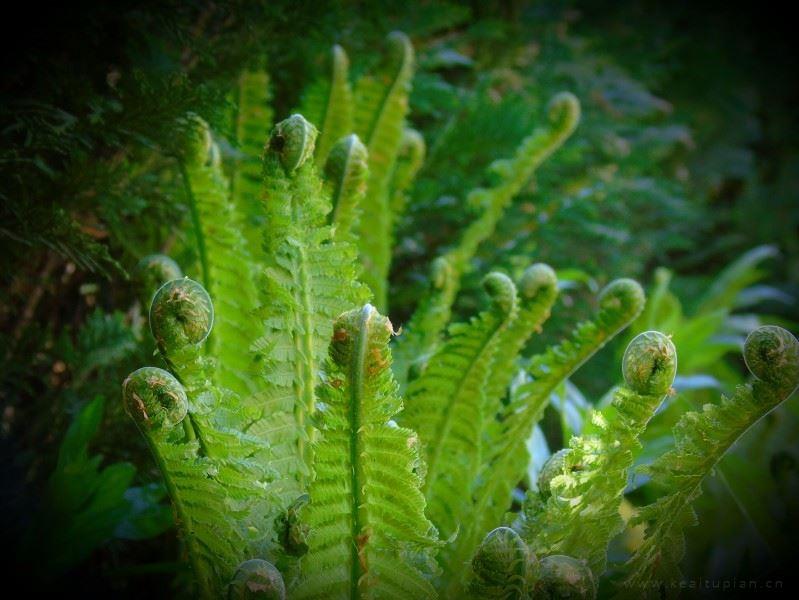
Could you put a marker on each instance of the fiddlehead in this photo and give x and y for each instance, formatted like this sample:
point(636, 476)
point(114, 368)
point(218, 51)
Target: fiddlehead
point(563, 116)
point(503, 567)
point(581, 513)
point(563, 577)
point(181, 314)
point(256, 579)
point(701, 439)
point(552, 468)
point(152, 272)
point(346, 171)
point(154, 399)
point(293, 141)
point(369, 536)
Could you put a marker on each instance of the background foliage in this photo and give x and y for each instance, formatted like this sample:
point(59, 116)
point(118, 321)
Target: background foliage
point(685, 164)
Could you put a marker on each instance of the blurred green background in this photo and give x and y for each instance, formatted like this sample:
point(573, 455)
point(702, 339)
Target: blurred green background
point(684, 174)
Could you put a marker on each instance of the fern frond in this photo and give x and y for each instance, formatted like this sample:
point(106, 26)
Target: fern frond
point(447, 406)
point(563, 116)
point(369, 535)
point(346, 171)
point(701, 440)
point(409, 160)
point(217, 476)
point(310, 279)
point(381, 104)
point(507, 462)
point(227, 268)
point(253, 124)
point(581, 514)
point(328, 104)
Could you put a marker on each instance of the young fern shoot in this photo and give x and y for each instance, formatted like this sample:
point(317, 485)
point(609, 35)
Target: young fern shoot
point(381, 105)
point(423, 331)
point(253, 124)
point(447, 406)
point(329, 104)
point(311, 277)
point(580, 515)
point(701, 440)
point(505, 462)
point(217, 476)
point(369, 534)
point(226, 264)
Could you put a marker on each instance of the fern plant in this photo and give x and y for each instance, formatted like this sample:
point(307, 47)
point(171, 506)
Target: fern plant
point(309, 449)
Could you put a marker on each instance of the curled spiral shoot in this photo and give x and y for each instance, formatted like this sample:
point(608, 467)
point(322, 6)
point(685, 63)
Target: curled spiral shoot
point(181, 315)
point(563, 577)
point(257, 579)
point(772, 355)
point(564, 111)
point(623, 294)
point(153, 271)
point(196, 141)
point(293, 140)
point(551, 469)
point(501, 289)
point(535, 278)
point(650, 363)
point(154, 399)
point(503, 566)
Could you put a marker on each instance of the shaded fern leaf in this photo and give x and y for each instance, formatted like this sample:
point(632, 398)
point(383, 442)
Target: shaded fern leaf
point(701, 439)
point(447, 406)
point(253, 124)
point(226, 264)
point(369, 535)
point(310, 279)
point(581, 514)
point(422, 332)
point(410, 158)
point(381, 104)
point(328, 104)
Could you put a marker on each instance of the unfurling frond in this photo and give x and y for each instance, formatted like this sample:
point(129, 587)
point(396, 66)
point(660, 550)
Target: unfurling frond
point(227, 267)
point(581, 513)
point(381, 104)
point(446, 405)
point(369, 537)
point(253, 124)
point(701, 440)
point(151, 273)
point(310, 279)
point(507, 458)
point(514, 173)
point(328, 104)
point(346, 171)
